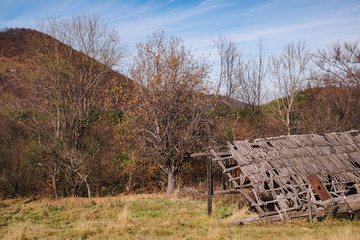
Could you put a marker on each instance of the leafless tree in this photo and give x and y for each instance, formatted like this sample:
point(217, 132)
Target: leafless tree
point(289, 71)
point(242, 76)
point(230, 66)
point(340, 66)
point(78, 55)
point(251, 78)
point(342, 61)
point(169, 111)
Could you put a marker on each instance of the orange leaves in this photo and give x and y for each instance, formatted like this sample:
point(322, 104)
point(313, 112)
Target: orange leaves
point(168, 113)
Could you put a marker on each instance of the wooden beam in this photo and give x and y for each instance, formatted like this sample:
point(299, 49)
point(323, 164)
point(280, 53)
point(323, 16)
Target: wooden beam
point(352, 200)
point(201, 154)
point(209, 184)
point(222, 159)
point(230, 169)
point(252, 202)
point(226, 192)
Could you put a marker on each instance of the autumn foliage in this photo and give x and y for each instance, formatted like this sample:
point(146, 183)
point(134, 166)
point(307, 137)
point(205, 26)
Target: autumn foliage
point(71, 125)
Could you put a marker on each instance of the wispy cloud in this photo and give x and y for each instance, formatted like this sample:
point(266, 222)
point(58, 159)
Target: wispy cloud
point(277, 21)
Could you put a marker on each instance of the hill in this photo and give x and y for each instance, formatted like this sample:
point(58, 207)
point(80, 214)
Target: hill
point(50, 117)
point(19, 64)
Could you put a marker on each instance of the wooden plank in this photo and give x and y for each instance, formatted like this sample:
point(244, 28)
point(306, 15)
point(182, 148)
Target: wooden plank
point(223, 168)
point(258, 208)
point(230, 169)
point(236, 178)
point(201, 154)
point(222, 159)
point(272, 218)
point(240, 158)
point(234, 191)
point(352, 200)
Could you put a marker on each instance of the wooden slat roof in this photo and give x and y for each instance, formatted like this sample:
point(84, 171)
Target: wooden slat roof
point(334, 155)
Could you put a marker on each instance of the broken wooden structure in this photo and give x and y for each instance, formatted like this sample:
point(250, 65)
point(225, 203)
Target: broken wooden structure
point(292, 176)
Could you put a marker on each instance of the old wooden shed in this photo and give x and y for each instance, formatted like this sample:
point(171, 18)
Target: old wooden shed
point(292, 176)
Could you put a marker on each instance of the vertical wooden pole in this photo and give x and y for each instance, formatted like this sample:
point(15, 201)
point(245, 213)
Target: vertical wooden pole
point(224, 178)
point(209, 184)
point(223, 181)
point(212, 177)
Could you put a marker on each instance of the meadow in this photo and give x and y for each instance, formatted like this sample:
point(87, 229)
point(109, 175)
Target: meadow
point(152, 216)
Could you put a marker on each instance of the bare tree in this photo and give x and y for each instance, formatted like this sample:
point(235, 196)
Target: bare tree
point(251, 76)
point(289, 72)
point(340, 66)
point(243, 77)
point(78, 55)
point(169, 112)
point(341, 61)
point(230, 66)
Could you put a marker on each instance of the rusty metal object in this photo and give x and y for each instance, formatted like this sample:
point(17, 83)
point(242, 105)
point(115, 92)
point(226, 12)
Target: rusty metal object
point(318, 187)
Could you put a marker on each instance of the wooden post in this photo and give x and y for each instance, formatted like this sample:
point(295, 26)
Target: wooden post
point(223, 176)
point(209, 184)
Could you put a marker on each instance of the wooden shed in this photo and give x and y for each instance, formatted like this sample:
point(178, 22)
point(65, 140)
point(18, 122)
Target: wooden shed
point(292, 176)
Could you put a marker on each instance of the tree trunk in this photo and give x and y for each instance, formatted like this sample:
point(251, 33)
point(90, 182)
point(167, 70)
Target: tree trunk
point(288, 122)
point(88, 188)
point(54, 182)
point(171, 184)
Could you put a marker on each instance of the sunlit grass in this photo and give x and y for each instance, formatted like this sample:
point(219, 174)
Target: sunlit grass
point(152, 216)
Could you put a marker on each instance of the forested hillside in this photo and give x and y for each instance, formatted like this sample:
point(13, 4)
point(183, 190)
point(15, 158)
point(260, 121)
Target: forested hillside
point(29, 124)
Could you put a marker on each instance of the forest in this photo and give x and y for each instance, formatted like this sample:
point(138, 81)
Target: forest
point(73, 125)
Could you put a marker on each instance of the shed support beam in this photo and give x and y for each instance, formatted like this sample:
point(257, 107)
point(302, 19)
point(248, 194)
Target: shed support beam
point(209, 184)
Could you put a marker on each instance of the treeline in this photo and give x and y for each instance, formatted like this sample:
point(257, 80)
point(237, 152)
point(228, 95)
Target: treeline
point(72, 126)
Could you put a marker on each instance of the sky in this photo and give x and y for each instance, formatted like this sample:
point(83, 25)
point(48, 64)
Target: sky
point(198, 22)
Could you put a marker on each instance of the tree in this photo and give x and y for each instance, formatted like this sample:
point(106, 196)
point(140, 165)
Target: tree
point(342, 62)
point(289, 72)
point(69, 90)
point(251, 79)
point(243, 77)
point(340, 66)
point(169, 112)
point(231, 65)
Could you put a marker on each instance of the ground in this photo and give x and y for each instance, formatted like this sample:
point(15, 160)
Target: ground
point(152, 216)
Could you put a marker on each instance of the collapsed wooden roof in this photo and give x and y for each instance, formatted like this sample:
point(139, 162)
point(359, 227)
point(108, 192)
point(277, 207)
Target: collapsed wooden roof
point(295, 173)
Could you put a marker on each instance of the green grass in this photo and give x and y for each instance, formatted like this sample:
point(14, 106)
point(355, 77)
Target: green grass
point(151, 217)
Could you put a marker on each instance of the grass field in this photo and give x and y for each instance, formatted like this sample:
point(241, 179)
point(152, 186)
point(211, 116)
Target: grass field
point(152, 216)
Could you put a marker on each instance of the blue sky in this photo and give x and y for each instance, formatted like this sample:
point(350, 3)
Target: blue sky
point(278, 22)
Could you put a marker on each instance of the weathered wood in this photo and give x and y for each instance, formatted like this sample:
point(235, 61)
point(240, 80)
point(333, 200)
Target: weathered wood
point(226, 192)
point(272, 218)
point(230, 169)
point(276, 172)
point(201, 154)
point(223, 168)
point(258, 208)
point(236, 178)
point(353, 201)
point(209, 184)
point(222, 159)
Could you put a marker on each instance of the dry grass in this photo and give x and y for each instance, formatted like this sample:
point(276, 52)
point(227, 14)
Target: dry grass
point(151, 216)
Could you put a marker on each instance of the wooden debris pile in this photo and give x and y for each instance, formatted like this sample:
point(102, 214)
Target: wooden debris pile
point(292, 176)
